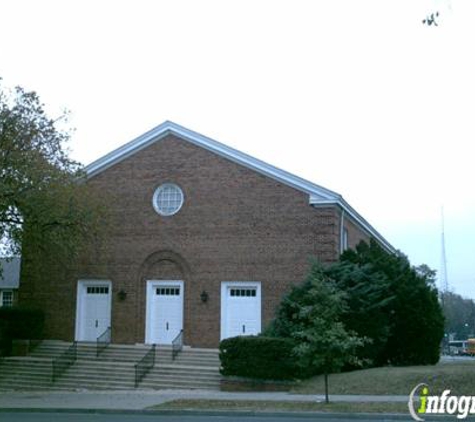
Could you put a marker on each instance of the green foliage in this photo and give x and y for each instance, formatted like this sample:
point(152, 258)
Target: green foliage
point(385, 300)
point(314, 314)
point(459, 315)
point(407, 307)
point(311, 315)
point(5, 340)
point(258, 357)
point(32, 159)
point(368, 306)
point(418, 321)
point(17, 323)
point(45, 209)
point(285, 322)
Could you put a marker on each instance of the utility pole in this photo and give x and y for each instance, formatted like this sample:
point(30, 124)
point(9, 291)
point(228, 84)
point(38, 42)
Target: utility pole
point(444, 282)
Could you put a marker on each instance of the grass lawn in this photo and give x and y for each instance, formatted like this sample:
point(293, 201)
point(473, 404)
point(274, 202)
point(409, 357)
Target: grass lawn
point(457, 376)
point(272, 406)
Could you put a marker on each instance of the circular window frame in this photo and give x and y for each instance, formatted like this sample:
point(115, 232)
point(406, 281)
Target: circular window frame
point(156, 195)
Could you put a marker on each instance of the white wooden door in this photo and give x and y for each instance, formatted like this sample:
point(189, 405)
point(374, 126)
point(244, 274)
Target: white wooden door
point(240, 309)
point(93, 309)
point(164, 311)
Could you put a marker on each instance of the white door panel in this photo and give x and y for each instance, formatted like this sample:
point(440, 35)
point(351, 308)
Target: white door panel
point(240, 309)
point(93, 309)
point(164, 311)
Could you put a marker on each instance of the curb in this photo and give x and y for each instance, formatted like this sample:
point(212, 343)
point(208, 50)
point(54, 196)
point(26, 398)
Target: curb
point(191, 412)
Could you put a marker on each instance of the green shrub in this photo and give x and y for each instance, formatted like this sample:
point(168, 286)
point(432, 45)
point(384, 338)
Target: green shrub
point(5, 341)
point(19, 323)
point(413, 315)
point(387, 300)
point(258, 357)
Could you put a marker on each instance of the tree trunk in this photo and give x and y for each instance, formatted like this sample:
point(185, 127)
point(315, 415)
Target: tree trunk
point(326, 388)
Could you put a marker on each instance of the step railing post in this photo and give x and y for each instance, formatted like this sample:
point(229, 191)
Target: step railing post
point(144, 365)
point(177, 344)
point(103, 341)
point(64, 361)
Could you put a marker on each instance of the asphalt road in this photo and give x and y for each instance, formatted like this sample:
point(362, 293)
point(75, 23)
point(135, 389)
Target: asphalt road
point(91, 417)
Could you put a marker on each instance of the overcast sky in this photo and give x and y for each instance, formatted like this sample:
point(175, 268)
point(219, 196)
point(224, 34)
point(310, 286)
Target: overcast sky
point(358, 96)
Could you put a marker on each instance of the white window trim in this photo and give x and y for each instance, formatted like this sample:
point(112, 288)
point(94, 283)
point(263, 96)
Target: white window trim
point(1, 296)
point(157, 193)
point(82, 286)
point(225, 285)
point(344, 241)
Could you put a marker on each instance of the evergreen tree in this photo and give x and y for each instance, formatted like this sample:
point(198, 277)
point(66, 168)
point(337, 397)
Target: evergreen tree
point(459, 315)
point(311, 314)
point(368, 306)
point(385, 300)
point(411, 314)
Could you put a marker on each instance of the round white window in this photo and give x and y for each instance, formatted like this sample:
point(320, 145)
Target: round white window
point(168, 199)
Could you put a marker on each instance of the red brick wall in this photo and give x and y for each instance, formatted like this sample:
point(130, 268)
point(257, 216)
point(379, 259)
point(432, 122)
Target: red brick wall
point(355, 234)
point(235, 225)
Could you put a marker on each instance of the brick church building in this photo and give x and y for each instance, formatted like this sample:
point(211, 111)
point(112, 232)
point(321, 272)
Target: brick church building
point(207, 240)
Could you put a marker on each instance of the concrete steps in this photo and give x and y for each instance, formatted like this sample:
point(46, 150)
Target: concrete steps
point(98, 375)
point(182, 377)
point(114, 368)
point(25, 373)
point(88, 351)
point(192, 368)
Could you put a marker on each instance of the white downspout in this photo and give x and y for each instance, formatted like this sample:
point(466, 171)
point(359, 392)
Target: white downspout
point(342, 220)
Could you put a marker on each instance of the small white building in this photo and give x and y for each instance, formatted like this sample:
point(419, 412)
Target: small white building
point(9, 280)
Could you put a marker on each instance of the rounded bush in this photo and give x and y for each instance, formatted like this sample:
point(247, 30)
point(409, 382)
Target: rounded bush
point(258, 357)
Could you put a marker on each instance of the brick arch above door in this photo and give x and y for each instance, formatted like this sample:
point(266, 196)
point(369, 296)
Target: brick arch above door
point(159, 265)
point(164, 263)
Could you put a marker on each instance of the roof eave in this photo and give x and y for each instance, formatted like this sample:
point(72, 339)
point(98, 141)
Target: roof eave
point(340, 202)
point(216, 147)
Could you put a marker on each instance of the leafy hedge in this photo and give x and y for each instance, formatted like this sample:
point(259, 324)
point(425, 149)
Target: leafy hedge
point(258, 357)
point(19, 323)
point(387, 300)
point(5, 341)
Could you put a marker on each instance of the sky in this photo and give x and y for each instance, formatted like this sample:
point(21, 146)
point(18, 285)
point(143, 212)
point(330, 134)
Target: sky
point(358, 96)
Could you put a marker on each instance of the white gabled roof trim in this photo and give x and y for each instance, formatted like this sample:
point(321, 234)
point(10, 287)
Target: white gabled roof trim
point(361, 221)
point(232, 154)
point(318, 195)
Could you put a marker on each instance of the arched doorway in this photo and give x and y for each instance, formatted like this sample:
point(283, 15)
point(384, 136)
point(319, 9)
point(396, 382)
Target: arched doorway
point(163, 274)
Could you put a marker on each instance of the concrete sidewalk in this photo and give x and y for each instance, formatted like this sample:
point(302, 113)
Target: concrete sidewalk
point(142, 399)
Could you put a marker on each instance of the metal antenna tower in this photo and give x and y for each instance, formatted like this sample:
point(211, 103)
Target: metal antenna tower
point(444, 282)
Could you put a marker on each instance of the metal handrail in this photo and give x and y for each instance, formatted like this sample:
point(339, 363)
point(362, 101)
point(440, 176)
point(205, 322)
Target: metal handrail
point(103, 341)
point(143, 366)
point(177, 344)
point(64, 361)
